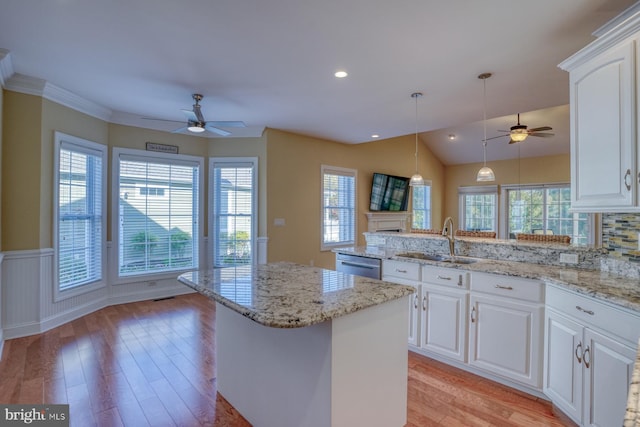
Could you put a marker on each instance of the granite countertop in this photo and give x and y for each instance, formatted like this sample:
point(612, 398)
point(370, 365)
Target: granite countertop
point(632, 416)
point(288, 295)
point(619, 290)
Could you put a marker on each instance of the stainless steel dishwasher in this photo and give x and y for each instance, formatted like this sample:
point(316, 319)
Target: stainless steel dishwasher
point(358, 265)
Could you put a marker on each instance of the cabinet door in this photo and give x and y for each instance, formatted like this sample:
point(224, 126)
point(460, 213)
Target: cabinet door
point(444, 327)
point(505, 338)
point(563, 363)
point(602, 125)
point(607, 367)
point(414, 316)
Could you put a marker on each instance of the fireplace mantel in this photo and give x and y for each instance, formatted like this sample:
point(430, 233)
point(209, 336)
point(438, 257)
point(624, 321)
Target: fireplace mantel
point(388, 221)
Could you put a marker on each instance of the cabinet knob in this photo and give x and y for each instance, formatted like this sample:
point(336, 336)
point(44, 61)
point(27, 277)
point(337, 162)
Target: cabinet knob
point(627, 178)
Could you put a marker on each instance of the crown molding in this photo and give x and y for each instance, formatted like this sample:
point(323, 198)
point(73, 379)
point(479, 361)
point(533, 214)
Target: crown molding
point(38, 87)
point(6, 66)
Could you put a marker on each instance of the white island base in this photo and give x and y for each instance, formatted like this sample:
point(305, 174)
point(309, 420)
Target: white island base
point(348, 371)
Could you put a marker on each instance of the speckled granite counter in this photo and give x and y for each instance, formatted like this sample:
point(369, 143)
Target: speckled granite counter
point(615, 289)
point(287, 295)
point(632, 416)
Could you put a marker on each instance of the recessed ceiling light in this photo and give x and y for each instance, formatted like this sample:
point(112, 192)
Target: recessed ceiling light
point(341, 74)
point(375, 135)
point(451, 137)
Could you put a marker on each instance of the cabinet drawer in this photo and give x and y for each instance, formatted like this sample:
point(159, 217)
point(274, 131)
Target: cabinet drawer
point(401, 270)
point(445, 276)
point(508, 286)
point(590, 311)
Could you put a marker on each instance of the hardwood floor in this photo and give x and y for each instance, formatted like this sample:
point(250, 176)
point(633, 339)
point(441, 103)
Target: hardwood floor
point(153, 363)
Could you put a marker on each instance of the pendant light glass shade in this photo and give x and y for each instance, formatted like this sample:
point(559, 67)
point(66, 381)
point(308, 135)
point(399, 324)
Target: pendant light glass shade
point(485, 174)
point(416, 179)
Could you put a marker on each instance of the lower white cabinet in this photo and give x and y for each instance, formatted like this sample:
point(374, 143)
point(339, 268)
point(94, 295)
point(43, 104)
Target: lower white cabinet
point(589, 356)
point(505, 329)
point(414, 316)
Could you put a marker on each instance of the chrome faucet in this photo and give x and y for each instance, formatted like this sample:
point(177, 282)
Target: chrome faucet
point(447, 231)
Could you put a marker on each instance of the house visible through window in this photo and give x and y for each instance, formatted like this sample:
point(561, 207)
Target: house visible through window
point(338, 226)
point(478, 208)
point(233, 210)
point(79, 212)
point(421, 205)
point(157, 234)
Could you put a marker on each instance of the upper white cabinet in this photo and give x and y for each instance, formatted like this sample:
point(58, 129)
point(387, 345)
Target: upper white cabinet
point(604, 86)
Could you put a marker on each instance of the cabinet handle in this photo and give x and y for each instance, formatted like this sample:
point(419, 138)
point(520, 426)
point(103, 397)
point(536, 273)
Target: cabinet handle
point(473, 315)
point(627, 176)
point(589, 312)
point(579, 356)
point(444, 278)
point(401, 271)
point(460, 280)
point(508, 288)
point(587, 352)
point(424, 303)
point(415, 302)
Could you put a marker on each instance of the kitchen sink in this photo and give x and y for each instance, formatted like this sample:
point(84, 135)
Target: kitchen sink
point(440, 258)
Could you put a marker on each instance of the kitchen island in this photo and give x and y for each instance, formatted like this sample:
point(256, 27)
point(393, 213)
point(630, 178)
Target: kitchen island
point(303, 346)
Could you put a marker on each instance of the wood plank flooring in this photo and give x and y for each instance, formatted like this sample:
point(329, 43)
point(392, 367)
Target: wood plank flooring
point(152, 363)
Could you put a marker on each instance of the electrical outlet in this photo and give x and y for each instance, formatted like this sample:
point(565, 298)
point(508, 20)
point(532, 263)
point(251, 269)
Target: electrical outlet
point(278, 222)
point(569, 258)
point(152, 283)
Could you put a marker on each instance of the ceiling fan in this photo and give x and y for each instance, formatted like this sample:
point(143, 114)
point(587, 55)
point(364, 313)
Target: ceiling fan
point(519, 133)
point(197, 124)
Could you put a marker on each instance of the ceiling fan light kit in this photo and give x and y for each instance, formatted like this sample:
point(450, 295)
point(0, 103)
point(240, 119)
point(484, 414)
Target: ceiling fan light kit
point(416, 179)
point(485, 174)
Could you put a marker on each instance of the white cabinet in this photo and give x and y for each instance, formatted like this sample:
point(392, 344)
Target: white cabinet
point(604, 80)
point(589, 357)
point(443, 322)
point(414, 316)
point(505, 330)
point(407, 273)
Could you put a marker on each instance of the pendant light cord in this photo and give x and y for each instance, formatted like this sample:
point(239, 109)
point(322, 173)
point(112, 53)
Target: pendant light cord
point(416, 154)
point(484, 121)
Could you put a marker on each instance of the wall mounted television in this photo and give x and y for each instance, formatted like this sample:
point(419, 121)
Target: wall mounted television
point(389, 193)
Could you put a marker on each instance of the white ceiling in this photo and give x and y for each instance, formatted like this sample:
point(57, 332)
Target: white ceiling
point(270, 63)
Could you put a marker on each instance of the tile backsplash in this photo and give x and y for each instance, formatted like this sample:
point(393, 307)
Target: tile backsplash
point(620, 236)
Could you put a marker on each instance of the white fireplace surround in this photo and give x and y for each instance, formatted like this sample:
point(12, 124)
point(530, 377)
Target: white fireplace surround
point(388, 221)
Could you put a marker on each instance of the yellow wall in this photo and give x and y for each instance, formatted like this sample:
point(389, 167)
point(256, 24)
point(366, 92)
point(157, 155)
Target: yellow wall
point(293, 187)
point(533, 170)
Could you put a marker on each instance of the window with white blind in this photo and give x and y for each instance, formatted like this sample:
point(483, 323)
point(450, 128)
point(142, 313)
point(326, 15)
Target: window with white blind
point(338, 227)
point(79, 220)
point(157, 213)
point(233, 210)
point(478, 208)
point(421, 205)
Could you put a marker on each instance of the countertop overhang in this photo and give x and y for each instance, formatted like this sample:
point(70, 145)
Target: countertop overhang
point(288, 295)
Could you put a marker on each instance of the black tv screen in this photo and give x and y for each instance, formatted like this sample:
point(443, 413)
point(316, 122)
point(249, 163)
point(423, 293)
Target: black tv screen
point(389, 193)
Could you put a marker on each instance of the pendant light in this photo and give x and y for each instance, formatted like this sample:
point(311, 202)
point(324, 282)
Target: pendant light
point(416, 179)
point(485, 174)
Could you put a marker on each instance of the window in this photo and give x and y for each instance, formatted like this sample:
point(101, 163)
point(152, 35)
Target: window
point(233, 223)
point(544, 209)
point(338, 207)
point(157, 212)
point(421, 204)
point(478, 208)
point(79, 220)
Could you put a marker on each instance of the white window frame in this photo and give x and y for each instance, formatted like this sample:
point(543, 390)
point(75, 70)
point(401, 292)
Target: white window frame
point(177, 159)
point(477, 189)
point(62, 141)
point(334, 170)
point(426, 209)
point(233, 162)
point(504, 206)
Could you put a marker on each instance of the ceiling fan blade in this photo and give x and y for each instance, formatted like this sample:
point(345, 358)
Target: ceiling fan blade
point(540, 129)
point(191, 116)
point(495, 137)
point(161, 120)
point(543, 135)
point(214, 129)
point(179, 130)
point(228, 124)
point(502, 130)
point(511, 141)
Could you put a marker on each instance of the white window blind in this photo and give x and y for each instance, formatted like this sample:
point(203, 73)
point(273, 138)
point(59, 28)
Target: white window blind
point(338, 207)
point(234, 211)
point(80, 220)
point(421, 204)
point(478, 208)
point(158, 213)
